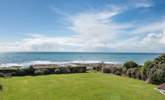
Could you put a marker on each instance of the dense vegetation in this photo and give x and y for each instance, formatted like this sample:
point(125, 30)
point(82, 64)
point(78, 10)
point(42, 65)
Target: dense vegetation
point(21, 71)
point(83, 86)
point(151, 71)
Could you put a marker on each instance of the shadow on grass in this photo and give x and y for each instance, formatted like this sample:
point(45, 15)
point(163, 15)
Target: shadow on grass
point(1, 87)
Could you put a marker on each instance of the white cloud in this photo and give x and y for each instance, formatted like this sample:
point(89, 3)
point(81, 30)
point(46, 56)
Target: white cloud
point(97, 29)
point(156, 26)
point(152, 42)
point(39, 43)
point(143, 3)
point(94, 31)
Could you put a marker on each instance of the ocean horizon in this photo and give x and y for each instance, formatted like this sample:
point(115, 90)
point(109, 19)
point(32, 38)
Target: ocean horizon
point(27, 58)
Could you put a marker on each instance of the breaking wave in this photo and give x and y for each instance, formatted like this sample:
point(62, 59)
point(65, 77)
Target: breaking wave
point(26, 64)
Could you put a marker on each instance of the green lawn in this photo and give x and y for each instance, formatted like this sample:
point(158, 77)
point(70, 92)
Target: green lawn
point(85, 86)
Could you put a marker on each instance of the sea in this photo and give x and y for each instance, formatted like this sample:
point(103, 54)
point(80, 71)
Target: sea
point(28, 58)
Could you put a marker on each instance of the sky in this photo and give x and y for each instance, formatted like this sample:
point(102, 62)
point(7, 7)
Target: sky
point(82, 25)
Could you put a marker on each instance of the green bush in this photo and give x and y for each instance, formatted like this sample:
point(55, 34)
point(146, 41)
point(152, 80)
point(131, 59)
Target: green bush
point(118, 71)
point(57, 71)
point(21, 72)
point(70, 69)
point(30, 70)
point(151, 75)
point(65, 70)
point(124, 71)
point(147, 66)
point(162, 67)
point(130, 64)
point(132, 72)
point(106, 69)
point(2, 75)
point(143, 74)
point(99, 67)
point(114, 70)
point(157, 76)
point(41, 71)
point(160, 60)
point(136, 73)
point(128, 73)
point(152, 71)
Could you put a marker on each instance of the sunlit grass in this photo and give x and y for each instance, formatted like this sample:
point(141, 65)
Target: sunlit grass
point(85, 86)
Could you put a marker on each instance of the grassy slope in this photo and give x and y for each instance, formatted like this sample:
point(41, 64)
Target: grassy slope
point(88, 86)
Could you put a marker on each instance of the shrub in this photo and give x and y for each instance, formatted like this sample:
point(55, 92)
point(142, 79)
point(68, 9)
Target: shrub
point(82, 69)
point(106, 69)
point(138, 74)
point(128, 73)
point(78, 69)
point(151, 75)
point(114, 70)
point(162, 67)
point(99, 66)
point(7, 75)
point(131, 72)
point(160, 60)
point(41, 71)
point(65, 70)
point(51, 71)
point(157, 76)
point(2, 75)
point(130, 64)
point(30, 70)
point(20, 72)
point(70, 69)
point(118, 71)
point(124, 71)
point(147, 66)
point(57, 71)
point(143, 74)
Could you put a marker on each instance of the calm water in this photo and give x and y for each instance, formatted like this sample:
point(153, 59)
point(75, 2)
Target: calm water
point(63, 57)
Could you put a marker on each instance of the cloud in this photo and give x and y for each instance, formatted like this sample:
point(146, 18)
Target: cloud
point(96, 30)
point(38, 43)
point(93, 30)
point(143, 3)
point(155, 26)
point(152, 42)
point(148, 37)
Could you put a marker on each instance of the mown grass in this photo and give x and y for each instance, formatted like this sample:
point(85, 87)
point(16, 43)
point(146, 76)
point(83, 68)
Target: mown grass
point(85, 86)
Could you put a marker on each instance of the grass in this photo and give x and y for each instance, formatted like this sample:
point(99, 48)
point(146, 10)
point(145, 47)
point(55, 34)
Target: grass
point(85, 86)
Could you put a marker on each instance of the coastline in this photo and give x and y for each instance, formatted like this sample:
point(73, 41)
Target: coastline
point(61, 63)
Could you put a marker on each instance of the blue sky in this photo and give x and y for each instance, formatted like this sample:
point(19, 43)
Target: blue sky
point(82, 25)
